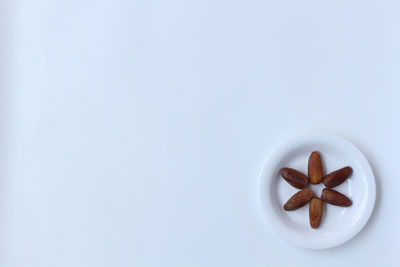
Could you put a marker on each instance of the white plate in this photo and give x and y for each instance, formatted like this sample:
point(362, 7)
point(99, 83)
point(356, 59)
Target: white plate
point(338, 224)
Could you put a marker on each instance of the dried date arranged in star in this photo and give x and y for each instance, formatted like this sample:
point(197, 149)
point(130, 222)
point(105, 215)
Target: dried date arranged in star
point(299, 199)
point(316, 211)
point(315, 171)
point(294, 178)
point(333, 197)
point(337, 177)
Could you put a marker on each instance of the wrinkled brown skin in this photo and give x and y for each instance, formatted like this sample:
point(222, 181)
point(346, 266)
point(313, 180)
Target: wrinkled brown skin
point(316, 211)
point(298, 200)
point(315, 171)
point(337, 177)
point(333, 197)
point(294, 178)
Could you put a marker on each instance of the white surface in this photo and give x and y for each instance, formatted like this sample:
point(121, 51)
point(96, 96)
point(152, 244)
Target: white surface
point(338, 224)
point(133, 132)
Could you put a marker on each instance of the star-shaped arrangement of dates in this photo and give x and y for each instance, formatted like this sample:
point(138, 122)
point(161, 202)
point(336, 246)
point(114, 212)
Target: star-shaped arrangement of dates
point(315, 176)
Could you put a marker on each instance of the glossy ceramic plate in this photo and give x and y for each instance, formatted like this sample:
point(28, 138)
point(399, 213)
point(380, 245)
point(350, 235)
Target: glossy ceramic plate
point(339, 224)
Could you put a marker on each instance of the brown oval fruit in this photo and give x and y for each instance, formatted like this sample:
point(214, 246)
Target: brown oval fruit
point(337, 177)
point(315, 168)
point(294, 178)
point(316, 210)
point(335, 198)
point(299, 199)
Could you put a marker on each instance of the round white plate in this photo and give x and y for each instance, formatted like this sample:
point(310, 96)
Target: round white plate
point(339, 224)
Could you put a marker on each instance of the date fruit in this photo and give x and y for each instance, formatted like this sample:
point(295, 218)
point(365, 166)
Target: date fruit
point(299, 199)
point(315, 168)
point(335, 198)
point(337, 177)
point(316, 210)
point(295, 178)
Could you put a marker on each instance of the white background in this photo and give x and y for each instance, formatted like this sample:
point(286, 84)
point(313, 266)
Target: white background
point(133, 132)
